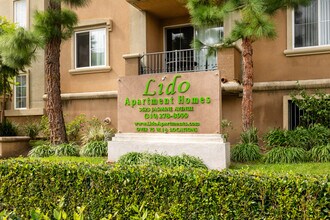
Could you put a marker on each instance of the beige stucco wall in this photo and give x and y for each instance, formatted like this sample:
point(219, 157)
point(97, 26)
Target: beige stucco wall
point(36, 86)
point(271, 64)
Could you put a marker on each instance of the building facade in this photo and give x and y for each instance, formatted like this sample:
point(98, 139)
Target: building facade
point(27, 100)
point(116, 38)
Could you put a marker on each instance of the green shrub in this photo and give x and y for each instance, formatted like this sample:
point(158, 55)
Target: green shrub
point(250, 136)
point(178, 193)
point(135, 158)
point(320, 154)
point(74, 127)
point(35, 143)
point(316, 108)
point(95, 149)
point(8, 129)
point(44, 127)
point(286, 155)
point(301, 137)
point(67, 150)
point(245, 152)
point(32, 129)
point(97, 131)
point(44, 150)
point(276, 138)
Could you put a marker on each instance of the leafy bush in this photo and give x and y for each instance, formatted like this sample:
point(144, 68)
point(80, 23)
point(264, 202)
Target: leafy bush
point(8, 129)
point(135, 158)
point(44, 127)
point(175, 193)
point(316, 108)
point(74, 127)
point(66, 150)
point(250, 136)
point(44, 150)
point(245, 152)
point(95, 149)
point(35, 143)
point(32, 129)
point(96, 131)
point(320, 154)
point(305, 138)
point(286, 155)
point(276, 138)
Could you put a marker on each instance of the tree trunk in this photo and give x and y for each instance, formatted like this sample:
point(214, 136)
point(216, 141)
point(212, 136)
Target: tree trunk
point(53, 86)
point(247, 100)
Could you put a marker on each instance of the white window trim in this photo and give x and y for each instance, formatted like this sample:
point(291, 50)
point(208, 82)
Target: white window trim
point(89, 25)
point(27, 93)
point(27, 2)
point(301, 51)
point(90, 49)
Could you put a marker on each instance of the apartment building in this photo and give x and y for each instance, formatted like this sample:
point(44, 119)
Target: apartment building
point(27, 101)
point(116, 38)
point(135, 37)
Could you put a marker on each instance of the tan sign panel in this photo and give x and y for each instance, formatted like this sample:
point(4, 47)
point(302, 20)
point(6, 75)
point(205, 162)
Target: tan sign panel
point(170, 103)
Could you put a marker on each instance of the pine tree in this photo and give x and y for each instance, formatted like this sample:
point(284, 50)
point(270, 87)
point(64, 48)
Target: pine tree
point(56, 24)
point(17, 50)
point(255, 23)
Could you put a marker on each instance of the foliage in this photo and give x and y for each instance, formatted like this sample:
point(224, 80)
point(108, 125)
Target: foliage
point(245, 152)
point(305, 138)
point(74, 127)
point(7, 128)
point(320, 153)
point(286, 155)
point(69, 159)
point(67, 150)
point(95, 149)
point(225, 125)
point(44, 150)
point(276, 138)
point(250, 136)
point(32, 129)
point(316, 108)
point(175, 193)
point(96, 131)
point(148, 159)
point(35, 143)
point(310, 168)
point(44, 126)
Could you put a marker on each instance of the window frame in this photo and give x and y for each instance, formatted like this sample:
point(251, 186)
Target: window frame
point(85, 26)
point(27, 13)
point(90, 49)
point(318, 30)
point(26, 94)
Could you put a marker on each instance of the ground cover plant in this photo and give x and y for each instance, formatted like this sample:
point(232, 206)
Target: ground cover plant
point(178, 193)
point(248, 148)
point(148, 159)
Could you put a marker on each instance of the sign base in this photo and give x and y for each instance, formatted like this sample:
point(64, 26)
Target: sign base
point(210, 148)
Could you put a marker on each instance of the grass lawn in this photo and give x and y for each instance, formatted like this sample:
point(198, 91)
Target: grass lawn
point(300, 168)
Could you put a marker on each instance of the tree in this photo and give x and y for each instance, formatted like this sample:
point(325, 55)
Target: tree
point(17, 50)
point(254, 24)
point(54, 25)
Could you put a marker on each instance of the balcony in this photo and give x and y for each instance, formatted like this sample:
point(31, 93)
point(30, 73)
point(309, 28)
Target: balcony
point(177, 61)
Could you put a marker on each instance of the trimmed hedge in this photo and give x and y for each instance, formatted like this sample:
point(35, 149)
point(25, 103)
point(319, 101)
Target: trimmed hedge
point(171, 193)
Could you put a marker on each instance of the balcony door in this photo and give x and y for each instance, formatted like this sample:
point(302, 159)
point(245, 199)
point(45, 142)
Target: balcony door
point(180, 57)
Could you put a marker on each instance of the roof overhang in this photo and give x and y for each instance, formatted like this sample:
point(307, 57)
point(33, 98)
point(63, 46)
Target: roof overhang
point(162, 8)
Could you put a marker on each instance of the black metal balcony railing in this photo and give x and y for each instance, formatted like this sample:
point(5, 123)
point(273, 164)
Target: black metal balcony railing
point(176, 61)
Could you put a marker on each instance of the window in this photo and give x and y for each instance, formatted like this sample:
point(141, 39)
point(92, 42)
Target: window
point(20, 13)
point(181, 57)
point(90, 48)
point(312, 24)
point(20, 92)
